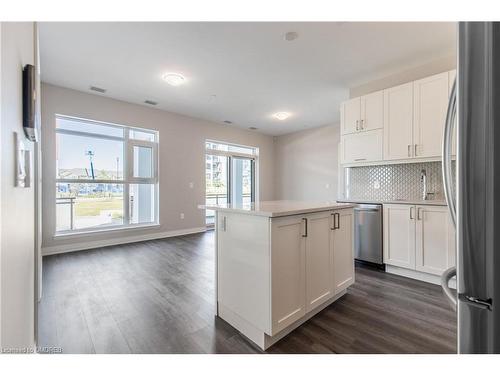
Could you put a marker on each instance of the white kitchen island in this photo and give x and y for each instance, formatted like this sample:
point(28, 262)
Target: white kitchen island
point(279, 263)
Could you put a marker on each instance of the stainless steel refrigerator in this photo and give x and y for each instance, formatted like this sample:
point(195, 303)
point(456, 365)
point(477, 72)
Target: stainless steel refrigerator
point(473, 192)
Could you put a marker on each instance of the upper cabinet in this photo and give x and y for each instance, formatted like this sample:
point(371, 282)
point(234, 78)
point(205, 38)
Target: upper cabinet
point(350, 113)
point(430, 102)
point(409, 117)
point(398, 122)
point(362, 114)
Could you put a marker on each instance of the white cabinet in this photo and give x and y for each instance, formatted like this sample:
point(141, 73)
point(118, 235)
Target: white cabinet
point(362, 147)
point(430, 102)
point(372, 111)
point(350, 115)
point(312, 260)
point(362, 114)
point(319, 259)
point(420, 238)
point(399, 235)
point(398, 122)
point(343, 250)
point(287, 271)
point(435, 240)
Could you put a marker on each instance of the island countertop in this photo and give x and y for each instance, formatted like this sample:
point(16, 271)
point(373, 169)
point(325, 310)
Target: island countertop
point(278, 208)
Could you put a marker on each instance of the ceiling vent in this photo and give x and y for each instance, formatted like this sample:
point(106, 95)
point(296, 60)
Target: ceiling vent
point(150, 102)
point(98, 89)
point(228, 122)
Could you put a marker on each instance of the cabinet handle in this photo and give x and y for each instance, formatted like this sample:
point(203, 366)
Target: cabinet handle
point(357, 125)
point(362, 124)
point(338, 220)
point(333, 219)
point(224, 223)
point(415, 150)
point(418, 214)
point(305, 227)
point(360, 159)
point(411, 211)
point(409, 150)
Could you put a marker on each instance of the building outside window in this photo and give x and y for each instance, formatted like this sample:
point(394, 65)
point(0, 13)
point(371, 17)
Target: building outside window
point(106, 175)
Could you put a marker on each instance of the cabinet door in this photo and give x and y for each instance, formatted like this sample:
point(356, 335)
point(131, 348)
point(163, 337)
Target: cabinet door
point(287, 271)
point(343, 251)
point(362, 147)
point(430, 102)
point(399, 235)
point(350, 116)
point(435, 244)
point(398, 122)
point(372, 111)
point(319, 259)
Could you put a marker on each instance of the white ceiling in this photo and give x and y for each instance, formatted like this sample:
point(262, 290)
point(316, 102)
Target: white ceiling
point(250, 68)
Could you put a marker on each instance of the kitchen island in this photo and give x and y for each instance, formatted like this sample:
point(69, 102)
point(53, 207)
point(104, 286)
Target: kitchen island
point(278, 263)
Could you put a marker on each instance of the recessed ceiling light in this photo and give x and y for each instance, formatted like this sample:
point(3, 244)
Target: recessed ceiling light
point(174, 79)
point(282, 116)
point(291, 35)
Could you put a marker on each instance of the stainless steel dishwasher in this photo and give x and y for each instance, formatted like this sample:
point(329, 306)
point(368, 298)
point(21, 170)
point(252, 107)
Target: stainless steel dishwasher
point(368, 233)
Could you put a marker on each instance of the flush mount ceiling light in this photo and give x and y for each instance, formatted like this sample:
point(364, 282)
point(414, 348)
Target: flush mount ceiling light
point(174, 79)
point(282, 116)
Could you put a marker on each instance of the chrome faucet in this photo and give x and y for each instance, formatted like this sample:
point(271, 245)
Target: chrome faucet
point(423, 179)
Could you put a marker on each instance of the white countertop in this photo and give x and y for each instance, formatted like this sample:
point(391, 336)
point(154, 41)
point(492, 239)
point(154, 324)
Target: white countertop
point(430, 202)
point(278, 208)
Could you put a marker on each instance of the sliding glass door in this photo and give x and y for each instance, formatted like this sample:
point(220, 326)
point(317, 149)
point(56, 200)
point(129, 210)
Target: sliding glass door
point(242, 180)
point(230, 175)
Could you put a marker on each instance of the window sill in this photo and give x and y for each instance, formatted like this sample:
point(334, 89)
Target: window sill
point(82, 233)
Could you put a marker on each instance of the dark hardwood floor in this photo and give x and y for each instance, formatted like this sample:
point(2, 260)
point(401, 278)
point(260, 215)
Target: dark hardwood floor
point(158, 297)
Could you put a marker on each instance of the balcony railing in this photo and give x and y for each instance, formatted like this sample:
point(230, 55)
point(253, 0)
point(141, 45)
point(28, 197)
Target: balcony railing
point(71, 202)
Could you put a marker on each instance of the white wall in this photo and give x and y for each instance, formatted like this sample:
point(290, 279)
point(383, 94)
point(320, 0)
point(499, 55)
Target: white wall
point(306, 164)
point(17, 204)
point(181, 153)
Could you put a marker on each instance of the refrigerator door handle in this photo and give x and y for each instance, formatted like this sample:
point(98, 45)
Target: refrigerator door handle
point(445, 279)
point(484, 304)
point(446, 153)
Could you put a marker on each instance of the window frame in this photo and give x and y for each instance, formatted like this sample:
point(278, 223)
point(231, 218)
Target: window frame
point(127, 178)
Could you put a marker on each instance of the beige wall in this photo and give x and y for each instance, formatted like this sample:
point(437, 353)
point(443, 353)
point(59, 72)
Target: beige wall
point(181, 154)
point(306, 164)
point(422, 71)
point(17, 204)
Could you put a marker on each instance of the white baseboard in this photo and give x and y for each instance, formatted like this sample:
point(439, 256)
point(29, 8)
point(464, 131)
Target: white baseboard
point(86, 245)
point(417, 275)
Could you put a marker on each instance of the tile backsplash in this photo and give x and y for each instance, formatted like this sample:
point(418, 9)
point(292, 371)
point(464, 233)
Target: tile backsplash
point(391, 182)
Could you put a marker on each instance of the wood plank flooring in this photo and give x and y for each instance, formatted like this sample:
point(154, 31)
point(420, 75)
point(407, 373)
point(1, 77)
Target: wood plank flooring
point(158, 297)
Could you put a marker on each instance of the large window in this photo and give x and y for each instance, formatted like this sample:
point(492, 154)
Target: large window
point(106, 175)
point(230, 175)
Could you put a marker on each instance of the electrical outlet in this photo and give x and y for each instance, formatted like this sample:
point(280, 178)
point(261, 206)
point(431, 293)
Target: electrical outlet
point(182, 215)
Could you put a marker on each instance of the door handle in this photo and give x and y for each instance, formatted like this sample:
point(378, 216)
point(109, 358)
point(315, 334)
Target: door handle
point(446, 153)
point(445, 279)
point(305, 227)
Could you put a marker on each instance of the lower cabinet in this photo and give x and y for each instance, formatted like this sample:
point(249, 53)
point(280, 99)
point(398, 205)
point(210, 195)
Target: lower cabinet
point(420, 238)
point(312, 260)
